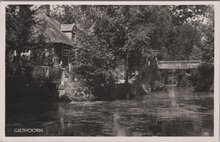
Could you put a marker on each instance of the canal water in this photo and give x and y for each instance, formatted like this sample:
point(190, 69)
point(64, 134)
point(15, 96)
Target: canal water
point(175, 112)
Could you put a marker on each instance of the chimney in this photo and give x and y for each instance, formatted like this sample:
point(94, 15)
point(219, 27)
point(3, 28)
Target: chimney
point(45, 9)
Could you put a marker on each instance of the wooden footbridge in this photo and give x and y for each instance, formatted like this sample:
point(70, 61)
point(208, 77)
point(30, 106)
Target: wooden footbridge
point(178, 65)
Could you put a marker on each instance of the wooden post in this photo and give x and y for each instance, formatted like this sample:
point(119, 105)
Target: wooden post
point(68, 63)
point(47, 73)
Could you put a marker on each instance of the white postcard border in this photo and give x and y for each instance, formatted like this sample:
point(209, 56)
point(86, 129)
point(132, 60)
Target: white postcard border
point(215, 138)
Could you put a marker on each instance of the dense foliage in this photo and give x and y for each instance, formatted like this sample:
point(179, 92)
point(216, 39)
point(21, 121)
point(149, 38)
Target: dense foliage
point(133, 35)
point(121, 38)
point(203, 78)
point(22, 30)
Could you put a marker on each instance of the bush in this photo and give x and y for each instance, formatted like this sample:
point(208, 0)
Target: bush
point(103, 84)
point(77, 91)
point(185, 81)
point(157, 86)
point(203, 78)
point(99, 81)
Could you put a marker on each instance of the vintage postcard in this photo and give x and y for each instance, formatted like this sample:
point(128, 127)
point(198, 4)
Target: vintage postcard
point(110, 71)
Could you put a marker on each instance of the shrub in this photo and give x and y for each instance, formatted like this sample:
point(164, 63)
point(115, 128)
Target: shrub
point(99, 81)
point(185, 81)
point(157, 86)
point(203, 78)
point(77, 91)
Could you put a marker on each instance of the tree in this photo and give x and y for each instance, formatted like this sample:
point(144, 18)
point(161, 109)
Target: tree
point(121, 33)
point(19, 22)
point(203, 78)
point(22, 30)
point(183, 40)
point(132, 35)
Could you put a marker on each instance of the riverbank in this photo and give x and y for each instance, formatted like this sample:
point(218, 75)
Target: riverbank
point(175, 112)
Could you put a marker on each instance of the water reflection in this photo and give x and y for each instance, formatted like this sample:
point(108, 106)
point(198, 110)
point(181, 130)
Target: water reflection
point(176, 112)
point(172, 95)
point(120, 130)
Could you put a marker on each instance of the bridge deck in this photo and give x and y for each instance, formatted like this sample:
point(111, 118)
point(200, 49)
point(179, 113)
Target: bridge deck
point(184, 64)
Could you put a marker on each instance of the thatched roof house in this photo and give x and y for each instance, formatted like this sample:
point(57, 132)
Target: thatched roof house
point(53, 31)
point(56, 36)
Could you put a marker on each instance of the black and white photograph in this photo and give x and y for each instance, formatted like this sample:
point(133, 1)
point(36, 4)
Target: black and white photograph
point(109, 70)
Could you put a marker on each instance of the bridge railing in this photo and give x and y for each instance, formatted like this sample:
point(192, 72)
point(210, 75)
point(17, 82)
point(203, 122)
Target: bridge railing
point(184, 64)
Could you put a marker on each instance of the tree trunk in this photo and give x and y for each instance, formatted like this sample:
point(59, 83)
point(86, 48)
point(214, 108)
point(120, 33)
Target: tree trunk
point(17, 66)
point(127, 76)
point(127, 69)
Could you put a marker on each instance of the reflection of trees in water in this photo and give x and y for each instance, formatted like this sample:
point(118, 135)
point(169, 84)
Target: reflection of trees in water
point(61, 112)
point(207, 125)
point(72, 121)
point(119, 129)
point(188, 115)
point(177, 112)
point(172, 96)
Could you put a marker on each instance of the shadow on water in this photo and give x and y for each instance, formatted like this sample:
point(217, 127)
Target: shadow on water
point(177, 112)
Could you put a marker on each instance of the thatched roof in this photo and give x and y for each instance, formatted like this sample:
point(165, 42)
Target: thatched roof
point(52, 31)
point(66, 27)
